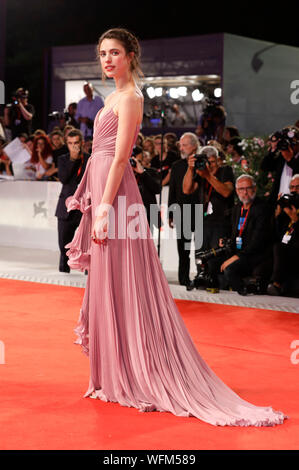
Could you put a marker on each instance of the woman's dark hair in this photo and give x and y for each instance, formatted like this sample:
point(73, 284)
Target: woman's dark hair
point(129, 43)
point(75, 133)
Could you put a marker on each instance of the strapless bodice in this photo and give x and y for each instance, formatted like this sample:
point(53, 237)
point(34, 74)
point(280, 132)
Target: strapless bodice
point(104, 133)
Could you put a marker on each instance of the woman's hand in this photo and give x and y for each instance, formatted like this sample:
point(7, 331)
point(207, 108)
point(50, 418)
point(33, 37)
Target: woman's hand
point(99, 232)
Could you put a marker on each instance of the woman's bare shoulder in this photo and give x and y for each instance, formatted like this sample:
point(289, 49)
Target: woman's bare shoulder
point(131, 96)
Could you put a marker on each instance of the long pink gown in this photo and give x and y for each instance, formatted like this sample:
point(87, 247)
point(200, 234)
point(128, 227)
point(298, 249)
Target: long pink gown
point(141, 354)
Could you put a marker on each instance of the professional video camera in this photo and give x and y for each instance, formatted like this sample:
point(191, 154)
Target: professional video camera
point(288, 200)
point(203, 277)
point(287, 137)
point(201, 161)
point(202, 257)
point(56, 115)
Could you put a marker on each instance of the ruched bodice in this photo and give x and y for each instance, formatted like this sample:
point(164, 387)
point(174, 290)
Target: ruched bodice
point(105, 131)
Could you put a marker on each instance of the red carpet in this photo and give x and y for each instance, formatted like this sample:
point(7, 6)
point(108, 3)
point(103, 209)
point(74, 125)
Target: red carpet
point(45, 376)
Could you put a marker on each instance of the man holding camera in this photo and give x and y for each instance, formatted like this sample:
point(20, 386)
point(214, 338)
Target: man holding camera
point(286, 163)
point(215, 185)
point(18, 114)
point(285, 275)
point(71, 167)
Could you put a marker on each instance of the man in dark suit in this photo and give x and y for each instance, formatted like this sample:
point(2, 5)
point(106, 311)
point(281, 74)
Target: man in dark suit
point(189, 145)
point(251, 234)
point(71, 167)
point(148, 181)
point(285, 164)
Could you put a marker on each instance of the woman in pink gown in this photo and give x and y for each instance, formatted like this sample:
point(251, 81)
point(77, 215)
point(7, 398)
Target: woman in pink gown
point(141, 354)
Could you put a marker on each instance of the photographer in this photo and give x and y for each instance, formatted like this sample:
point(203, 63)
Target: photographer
point(215, 185)
point(148, 182)
point(18, 114)
point(211, 123)
point(71, 167)
point(285, 275)
point(250, 235)
point(283, 159)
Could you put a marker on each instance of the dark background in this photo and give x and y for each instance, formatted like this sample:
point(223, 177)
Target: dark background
point(33, 26)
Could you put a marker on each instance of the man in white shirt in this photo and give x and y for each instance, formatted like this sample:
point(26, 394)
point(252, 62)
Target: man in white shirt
point(86, 111)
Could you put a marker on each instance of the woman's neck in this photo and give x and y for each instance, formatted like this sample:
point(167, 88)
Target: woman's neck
point(124, 83)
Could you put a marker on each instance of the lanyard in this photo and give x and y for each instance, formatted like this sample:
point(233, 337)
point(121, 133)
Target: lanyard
point(243, 225)
point(290, 229)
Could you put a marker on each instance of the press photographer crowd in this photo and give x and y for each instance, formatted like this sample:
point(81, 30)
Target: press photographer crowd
point(248, 189)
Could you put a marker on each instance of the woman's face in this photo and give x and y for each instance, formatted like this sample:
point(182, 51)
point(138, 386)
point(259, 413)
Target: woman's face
point(113, 57)
point(40, 145)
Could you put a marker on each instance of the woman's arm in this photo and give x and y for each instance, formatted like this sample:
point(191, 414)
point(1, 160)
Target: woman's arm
point(46, 164)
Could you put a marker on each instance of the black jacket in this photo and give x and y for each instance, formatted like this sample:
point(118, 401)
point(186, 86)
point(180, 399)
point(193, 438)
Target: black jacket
point(257, 235)
point(67, 174)
point(149, 186)
point(275, 164)
point(176, 195)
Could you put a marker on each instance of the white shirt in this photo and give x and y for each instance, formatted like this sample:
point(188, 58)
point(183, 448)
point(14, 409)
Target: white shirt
point(286, 176)
point(39, 167)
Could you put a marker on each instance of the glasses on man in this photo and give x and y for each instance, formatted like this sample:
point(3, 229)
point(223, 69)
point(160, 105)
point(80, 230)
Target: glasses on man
point(248, 188)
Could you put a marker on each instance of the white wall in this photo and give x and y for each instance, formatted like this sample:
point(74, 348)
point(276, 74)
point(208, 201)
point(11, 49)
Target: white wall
point(257, 79)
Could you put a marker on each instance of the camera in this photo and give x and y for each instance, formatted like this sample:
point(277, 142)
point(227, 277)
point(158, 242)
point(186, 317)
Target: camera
point(288, 200)
point(202, 257)
point(56, 115)
point(203, 277)
point(285, 138)
point(201, 161)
